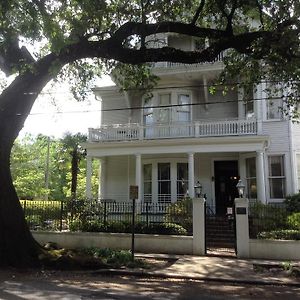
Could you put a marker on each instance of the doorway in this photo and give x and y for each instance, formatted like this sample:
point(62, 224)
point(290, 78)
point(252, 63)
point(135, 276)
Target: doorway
point(226, 179)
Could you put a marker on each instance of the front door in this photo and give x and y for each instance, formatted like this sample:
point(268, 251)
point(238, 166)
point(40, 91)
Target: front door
point(226, 179)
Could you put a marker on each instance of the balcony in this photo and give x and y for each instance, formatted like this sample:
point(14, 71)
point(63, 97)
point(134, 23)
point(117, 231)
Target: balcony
point(197, 129)
point(173, 65)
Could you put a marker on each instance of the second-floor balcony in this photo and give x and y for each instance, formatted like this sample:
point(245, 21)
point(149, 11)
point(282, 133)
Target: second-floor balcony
point(196, 129)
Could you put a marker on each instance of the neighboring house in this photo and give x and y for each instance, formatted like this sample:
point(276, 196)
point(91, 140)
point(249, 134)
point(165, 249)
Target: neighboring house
point(184, 134)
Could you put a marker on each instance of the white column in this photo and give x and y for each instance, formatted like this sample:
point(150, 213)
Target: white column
point(191, 175)
point(260, 177)
point(88, 192)
point(138, 174)
point(198, 226)
point(242, 227)
point(102, 179)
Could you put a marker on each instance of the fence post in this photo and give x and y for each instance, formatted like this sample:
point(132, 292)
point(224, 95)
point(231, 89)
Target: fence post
point(199, 226)
point(104, 217)
point(61, 215)
point(24, 208)
point(242, 227)
point(147, 215)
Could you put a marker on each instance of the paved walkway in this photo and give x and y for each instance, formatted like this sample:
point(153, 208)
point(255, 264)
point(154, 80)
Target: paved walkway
point(227, 269)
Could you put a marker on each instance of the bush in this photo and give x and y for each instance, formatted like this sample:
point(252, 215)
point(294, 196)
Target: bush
point(286, 234)
point(293, 203)
point(294, 221)
point(125, 227)
point(181, 213)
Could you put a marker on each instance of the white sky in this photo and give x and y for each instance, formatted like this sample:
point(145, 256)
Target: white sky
point(55, 113)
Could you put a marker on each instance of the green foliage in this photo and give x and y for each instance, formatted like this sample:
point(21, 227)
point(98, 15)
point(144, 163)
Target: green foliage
point(293, 203)
point(287, 234)
point(29, 167)
point(125, 227)
point(264, 217)
point(115, 258)
point(43, 214)
point(180, 213)
point(294, 221)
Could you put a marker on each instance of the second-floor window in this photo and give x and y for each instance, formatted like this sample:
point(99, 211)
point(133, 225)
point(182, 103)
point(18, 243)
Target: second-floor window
point(274, 108)
point(184, 108)
point(168, 108)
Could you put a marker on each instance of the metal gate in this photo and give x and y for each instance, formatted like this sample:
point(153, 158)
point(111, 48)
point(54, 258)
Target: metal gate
point(220, 232)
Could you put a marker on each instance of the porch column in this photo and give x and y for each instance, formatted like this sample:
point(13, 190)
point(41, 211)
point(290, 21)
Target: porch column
point(260, 177)
point(191, 175)
point(102, 179)
point(138, 174)
point(88, 192)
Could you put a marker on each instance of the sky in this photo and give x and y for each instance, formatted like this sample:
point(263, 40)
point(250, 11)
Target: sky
point(56, 112)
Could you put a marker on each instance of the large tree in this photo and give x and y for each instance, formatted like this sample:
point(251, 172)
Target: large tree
point(43, 39)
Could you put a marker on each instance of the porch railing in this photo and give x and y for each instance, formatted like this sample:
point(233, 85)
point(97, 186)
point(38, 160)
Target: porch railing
point(134, 131)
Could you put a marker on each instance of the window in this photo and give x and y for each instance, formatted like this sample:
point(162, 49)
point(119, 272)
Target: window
point(148, 183)
point(274, 103)
point(249, 103)
point(274, 108)
point(251, 178)
point(164, 182)
point(276, 176)
point(298, 171)
point(164, 113)
point(182, 180)
point(183, 112)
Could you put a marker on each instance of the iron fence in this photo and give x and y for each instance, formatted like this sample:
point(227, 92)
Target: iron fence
point(105, 215)
point(265, 218)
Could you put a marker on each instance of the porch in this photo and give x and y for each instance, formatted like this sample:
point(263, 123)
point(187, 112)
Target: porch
point(196, 129)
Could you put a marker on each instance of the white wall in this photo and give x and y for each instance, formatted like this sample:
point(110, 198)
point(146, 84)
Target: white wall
point(145, 243)
point(274, 249)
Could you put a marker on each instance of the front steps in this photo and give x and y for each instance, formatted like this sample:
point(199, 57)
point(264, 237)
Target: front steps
point(219, 232)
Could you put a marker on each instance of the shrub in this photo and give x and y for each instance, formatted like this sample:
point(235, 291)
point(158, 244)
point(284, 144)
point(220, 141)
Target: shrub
point(266, 217)
point(294, 221)
point(125, 227)
point(286, 234)
point(180, 213)
point(293, 203)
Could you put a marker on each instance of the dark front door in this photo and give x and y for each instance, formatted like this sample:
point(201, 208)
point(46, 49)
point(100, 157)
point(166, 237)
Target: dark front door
point(226, 179)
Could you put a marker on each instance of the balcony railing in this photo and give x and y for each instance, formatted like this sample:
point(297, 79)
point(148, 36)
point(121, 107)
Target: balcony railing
point(133, 131)
point(219, 58)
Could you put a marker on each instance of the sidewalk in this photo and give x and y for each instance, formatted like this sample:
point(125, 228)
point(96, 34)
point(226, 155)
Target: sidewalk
point(211, 268)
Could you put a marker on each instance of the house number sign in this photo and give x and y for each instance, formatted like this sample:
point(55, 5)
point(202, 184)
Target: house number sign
point(241, 211)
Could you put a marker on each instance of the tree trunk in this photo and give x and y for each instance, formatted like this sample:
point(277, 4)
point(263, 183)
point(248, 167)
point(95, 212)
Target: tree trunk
point(17, 246)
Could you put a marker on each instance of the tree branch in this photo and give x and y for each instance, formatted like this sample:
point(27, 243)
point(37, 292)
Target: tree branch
point(198, 12)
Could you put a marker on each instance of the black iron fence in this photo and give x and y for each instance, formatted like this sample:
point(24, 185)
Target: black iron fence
point(267, 218)
point(109, 216)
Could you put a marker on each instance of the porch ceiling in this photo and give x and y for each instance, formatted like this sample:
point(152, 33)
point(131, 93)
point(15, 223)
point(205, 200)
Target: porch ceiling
point(183, 145)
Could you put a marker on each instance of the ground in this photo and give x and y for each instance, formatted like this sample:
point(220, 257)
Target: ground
point(65, 285)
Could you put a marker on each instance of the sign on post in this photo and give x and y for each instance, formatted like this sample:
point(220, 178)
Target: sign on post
point(133, 195)
point(133, 192)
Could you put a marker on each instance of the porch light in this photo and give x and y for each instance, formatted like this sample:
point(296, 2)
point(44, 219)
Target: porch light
point(241, 188)
point(198, 189)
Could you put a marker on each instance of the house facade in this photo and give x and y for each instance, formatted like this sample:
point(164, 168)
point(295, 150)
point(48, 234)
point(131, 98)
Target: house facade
point(183, 133)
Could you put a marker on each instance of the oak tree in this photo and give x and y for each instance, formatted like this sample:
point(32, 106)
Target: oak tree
point(43, 39)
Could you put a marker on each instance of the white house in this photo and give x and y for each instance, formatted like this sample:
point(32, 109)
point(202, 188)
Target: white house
point(185, 134)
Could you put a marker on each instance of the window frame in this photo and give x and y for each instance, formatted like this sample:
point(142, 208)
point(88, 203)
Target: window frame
point(282, 177)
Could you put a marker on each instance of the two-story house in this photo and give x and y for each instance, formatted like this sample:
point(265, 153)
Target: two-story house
point(183, 134)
